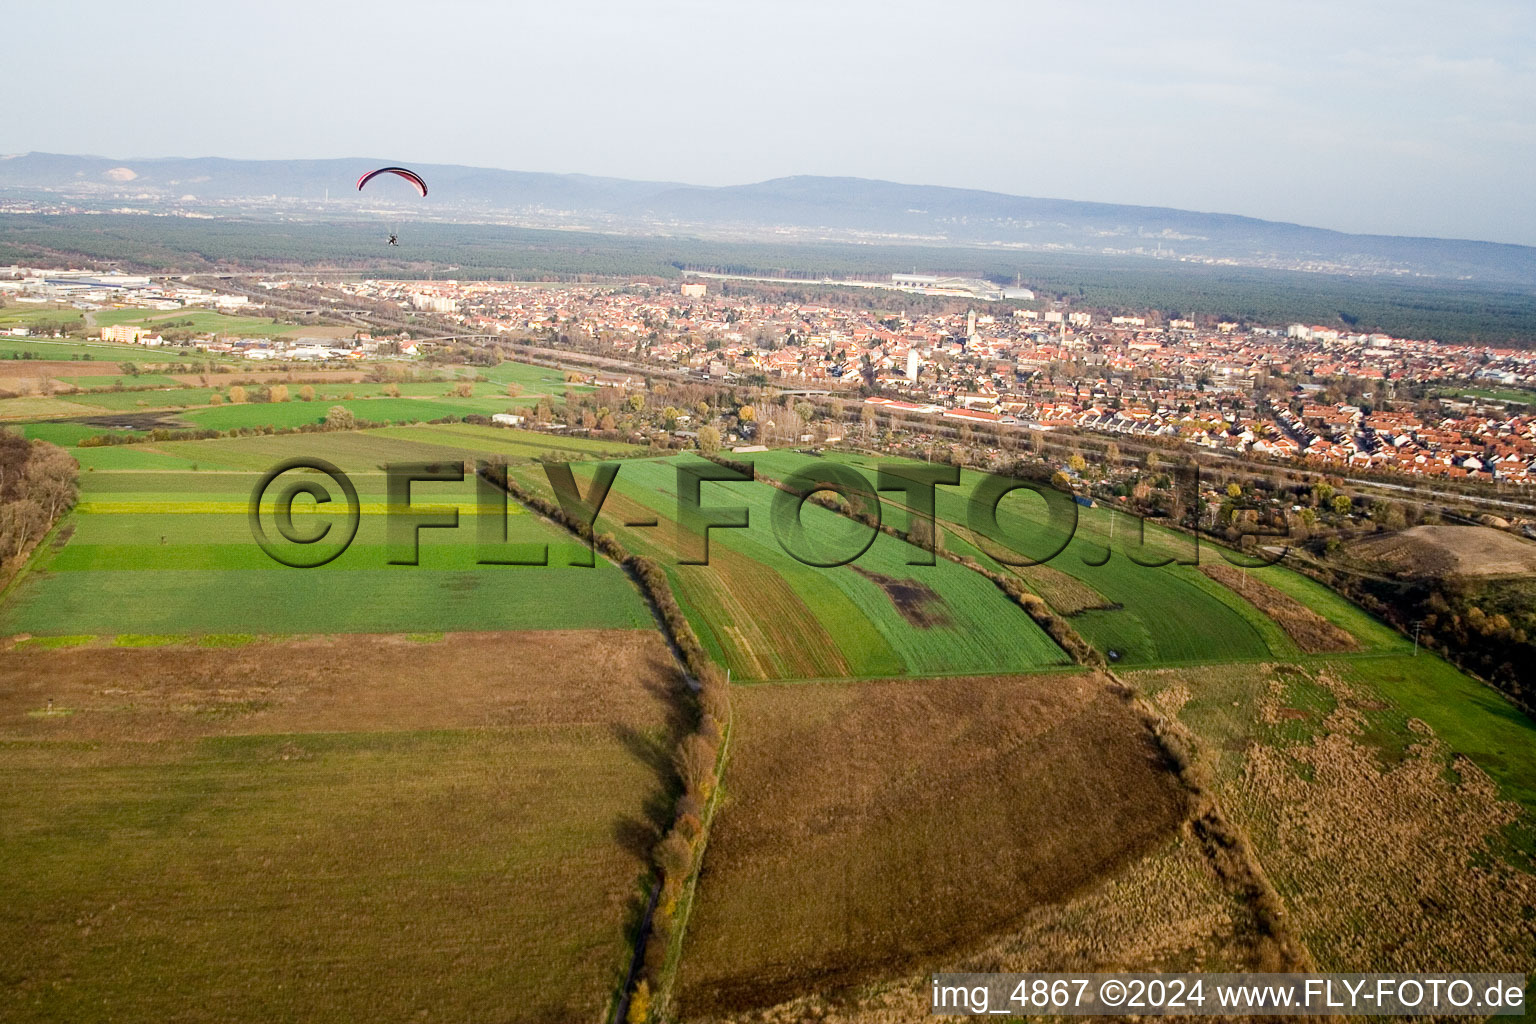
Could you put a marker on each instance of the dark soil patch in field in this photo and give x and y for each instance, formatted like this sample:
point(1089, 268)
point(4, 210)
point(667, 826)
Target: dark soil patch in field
point(132, 421)
point(917, 602)
point(126, 421)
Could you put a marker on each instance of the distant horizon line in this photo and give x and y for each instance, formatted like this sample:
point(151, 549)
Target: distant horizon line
point(366, 160)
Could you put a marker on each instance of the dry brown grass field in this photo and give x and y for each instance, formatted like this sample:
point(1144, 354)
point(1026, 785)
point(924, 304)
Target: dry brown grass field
point(20, 375)
point(1429, 551)
point(871, 827)
point(1166, 911)
point(1386, 849)
point(364, 828)
point(1312, 633)
point(345, 683)
point(1068, 595)
point(34, 370)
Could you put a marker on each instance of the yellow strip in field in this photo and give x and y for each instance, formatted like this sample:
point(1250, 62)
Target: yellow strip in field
point(305, 507)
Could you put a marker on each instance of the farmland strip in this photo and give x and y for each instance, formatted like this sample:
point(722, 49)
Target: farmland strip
point(699, 760)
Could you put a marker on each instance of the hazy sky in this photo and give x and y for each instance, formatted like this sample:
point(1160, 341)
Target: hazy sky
point(1398, 116)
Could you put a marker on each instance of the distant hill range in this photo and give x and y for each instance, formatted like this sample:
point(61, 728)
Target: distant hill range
point(800, 208)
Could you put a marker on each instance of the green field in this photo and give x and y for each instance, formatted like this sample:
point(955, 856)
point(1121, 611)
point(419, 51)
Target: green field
point(379, 410)
point(362, 449)
point(1159, 615)
point(157, 546)
point(1520, 396)
point(46, 417)
point(30, 315)
point(1167, 615)
point(204, 321)
point(244, 416)
point(769, 616)
point(847, 621)
point(84, 351)
point(65, 434)
point(534, 380)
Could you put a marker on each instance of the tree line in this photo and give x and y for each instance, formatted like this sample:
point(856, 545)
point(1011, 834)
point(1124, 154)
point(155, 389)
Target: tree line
point(697, 760)
point(38, 484)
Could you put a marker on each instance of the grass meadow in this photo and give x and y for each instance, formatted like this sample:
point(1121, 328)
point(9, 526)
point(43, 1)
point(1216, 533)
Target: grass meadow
point(533, 380)
point(424, 400)
point(232, 834)
point(85, 352)
point(31, 314)
point(378, 410)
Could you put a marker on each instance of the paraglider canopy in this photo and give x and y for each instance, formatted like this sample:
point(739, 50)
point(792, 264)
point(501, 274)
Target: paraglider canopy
point(409, 175)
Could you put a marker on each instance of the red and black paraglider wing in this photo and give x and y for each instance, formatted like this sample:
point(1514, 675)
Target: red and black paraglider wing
point(404, 172)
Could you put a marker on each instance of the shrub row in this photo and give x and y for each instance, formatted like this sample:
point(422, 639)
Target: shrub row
point(744, 468)
point(167, 434)
point(697, 761)
point(1226, 846)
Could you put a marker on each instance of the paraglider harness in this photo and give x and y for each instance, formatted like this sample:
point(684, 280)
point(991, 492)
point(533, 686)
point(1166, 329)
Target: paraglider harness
point(392, 239)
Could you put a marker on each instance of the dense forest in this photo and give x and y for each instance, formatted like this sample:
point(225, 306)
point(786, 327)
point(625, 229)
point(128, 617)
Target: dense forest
point(1447, 310)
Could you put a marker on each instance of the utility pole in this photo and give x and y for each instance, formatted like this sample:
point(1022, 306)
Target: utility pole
point(1417, 625)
